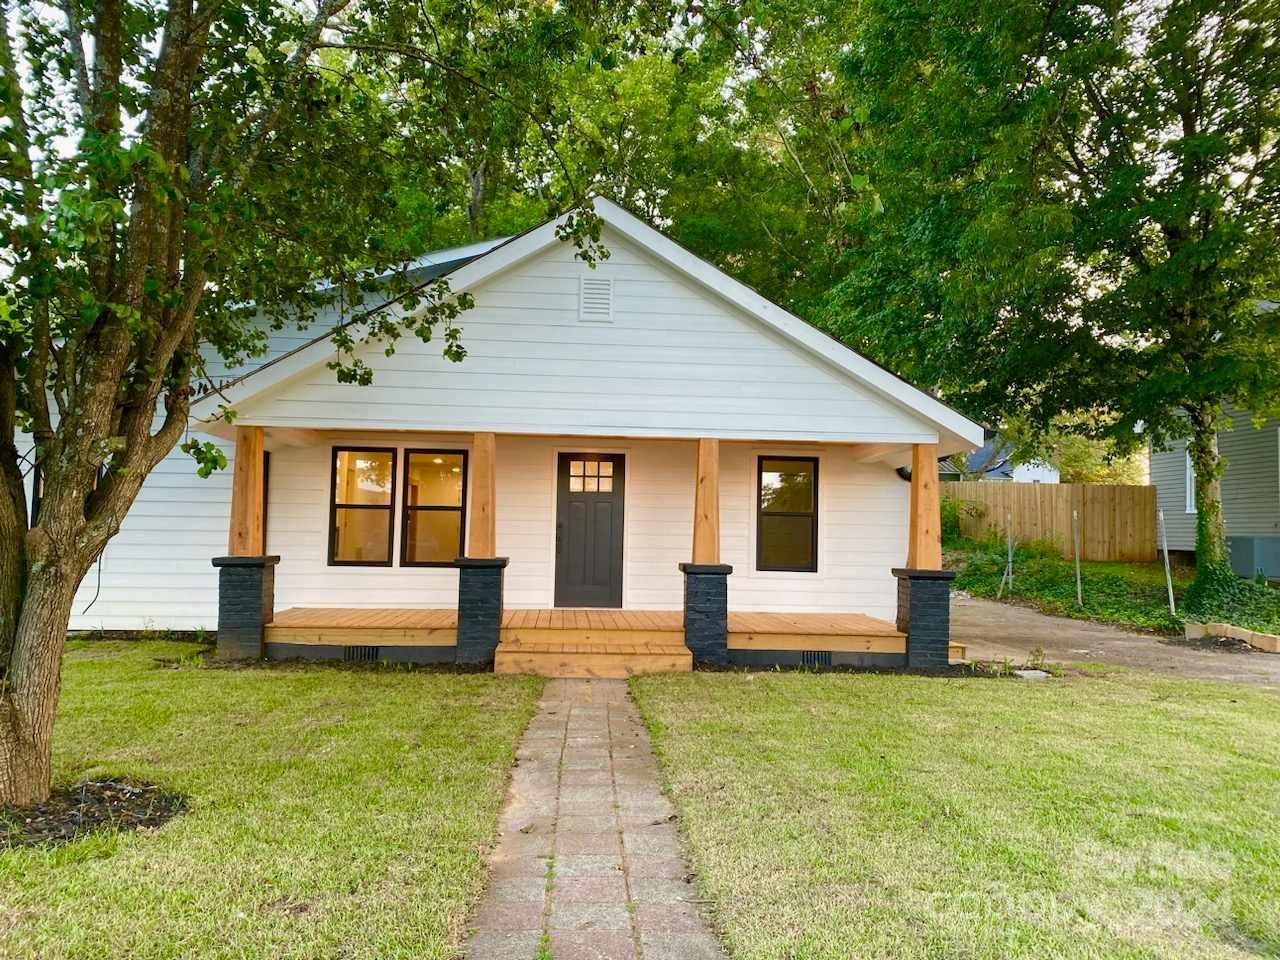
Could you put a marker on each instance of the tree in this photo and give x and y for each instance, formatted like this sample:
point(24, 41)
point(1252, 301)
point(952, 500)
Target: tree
point(161, 166)
point(1080, 211)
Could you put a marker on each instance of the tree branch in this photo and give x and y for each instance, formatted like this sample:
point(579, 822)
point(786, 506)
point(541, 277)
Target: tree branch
point(266, 120)
point(75, 41)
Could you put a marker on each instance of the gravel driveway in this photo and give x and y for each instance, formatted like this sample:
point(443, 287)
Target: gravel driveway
point(999, 631)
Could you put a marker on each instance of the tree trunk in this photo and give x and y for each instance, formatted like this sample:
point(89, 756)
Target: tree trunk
point(475, 205)
point(1211, 533)
point(29, 693)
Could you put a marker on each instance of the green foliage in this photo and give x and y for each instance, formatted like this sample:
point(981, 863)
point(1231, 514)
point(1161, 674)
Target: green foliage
point(1219, 596)
point(1131, 595)
point(1087, 460)
point(1079, 209)
point(207, 455)
point(953, 512)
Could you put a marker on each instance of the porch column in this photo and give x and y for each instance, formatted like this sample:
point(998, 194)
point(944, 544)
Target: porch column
point(706, 579)
point(924, 588)
point(246, 577)
point(480, 572)
point(482, 532)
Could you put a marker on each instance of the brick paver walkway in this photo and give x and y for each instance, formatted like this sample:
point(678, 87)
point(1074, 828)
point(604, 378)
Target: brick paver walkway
point(588, 862)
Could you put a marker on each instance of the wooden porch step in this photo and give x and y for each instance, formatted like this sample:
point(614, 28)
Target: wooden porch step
point(610, 653)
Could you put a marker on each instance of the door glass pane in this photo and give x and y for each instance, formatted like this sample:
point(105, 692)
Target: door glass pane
point(606, 468)
point(361, 535)
point(363, 477)
point(786, 542)
point(786, 486)
point(593, 468)
point(575, 484)
point(606, 484)
point(575, 468)
point(435, 480)
point(433, 536)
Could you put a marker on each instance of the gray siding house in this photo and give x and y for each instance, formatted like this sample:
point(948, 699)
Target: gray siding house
point(1250, 494)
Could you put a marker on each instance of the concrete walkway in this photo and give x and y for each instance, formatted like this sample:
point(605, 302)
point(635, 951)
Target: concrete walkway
point(588, 862)
point(1000, 631)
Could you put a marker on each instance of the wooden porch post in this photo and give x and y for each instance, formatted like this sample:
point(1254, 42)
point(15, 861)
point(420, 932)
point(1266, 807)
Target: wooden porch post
point(706, 503)
point(924, 550)
point(246, 538)
point(482, 536)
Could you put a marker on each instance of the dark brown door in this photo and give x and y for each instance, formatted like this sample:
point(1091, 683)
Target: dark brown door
point(589, 529)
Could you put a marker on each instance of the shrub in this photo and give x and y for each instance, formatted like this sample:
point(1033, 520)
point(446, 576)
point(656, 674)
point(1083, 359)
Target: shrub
point(955, 510)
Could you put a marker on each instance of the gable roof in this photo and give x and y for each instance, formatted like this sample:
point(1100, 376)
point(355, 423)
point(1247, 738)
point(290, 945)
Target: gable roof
point(956, 432)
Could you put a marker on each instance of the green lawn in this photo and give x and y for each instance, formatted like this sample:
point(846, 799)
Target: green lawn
point(1128, 594)
point(333, 813)
point(1113, 815)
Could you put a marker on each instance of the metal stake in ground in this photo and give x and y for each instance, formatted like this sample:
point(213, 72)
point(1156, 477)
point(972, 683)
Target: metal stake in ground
point(1075, 546)
point(1007, 576)
point(1164, 545)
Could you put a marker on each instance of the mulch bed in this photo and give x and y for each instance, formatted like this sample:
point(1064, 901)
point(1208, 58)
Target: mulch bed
point(72, 812)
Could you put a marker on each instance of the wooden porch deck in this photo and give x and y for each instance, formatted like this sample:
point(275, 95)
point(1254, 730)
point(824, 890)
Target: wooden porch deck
point(588, 642)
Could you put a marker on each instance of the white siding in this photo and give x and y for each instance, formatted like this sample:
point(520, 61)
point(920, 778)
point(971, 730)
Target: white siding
point(862, 535)
point(1250, 486)
point(1035, 472)
point(157, 572)
point(674, 361)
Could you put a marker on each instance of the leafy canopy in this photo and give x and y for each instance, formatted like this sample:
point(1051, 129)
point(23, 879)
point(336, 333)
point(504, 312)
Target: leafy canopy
point(1080, 207)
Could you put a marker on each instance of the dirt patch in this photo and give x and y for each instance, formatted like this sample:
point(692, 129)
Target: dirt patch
point(93, 805)
point(1216, 644)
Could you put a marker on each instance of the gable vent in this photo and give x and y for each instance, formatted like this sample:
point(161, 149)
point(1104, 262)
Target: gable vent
point(595, 300)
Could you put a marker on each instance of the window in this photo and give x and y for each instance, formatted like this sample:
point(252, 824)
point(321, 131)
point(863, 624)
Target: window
point(435, 484)
point(1191, 485)
point(787, 515)
point(591, 476)
point(362, 506)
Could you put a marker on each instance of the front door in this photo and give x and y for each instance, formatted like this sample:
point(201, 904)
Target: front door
point(589, 529)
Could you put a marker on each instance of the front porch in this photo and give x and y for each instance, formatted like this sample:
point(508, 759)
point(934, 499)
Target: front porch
point(602, 559)
point(577, 642)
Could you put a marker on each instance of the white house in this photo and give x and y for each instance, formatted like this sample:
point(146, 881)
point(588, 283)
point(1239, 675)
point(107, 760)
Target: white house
point(634, 462)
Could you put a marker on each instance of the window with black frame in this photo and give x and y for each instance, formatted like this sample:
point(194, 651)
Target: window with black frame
point(362, 506)
point(787, 514)
point(435, 485)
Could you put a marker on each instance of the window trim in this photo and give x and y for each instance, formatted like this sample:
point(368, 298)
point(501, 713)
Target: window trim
point(761, 513)
point(1190, 481)
point(390, 507)
point(406, 508)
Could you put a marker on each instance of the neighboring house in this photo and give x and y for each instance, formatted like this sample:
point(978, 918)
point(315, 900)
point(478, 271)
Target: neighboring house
point(1250, 494)
point(645, 454)
point(994, 461)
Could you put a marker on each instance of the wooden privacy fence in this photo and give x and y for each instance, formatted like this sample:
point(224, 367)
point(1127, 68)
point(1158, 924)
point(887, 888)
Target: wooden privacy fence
point(1116, 523)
